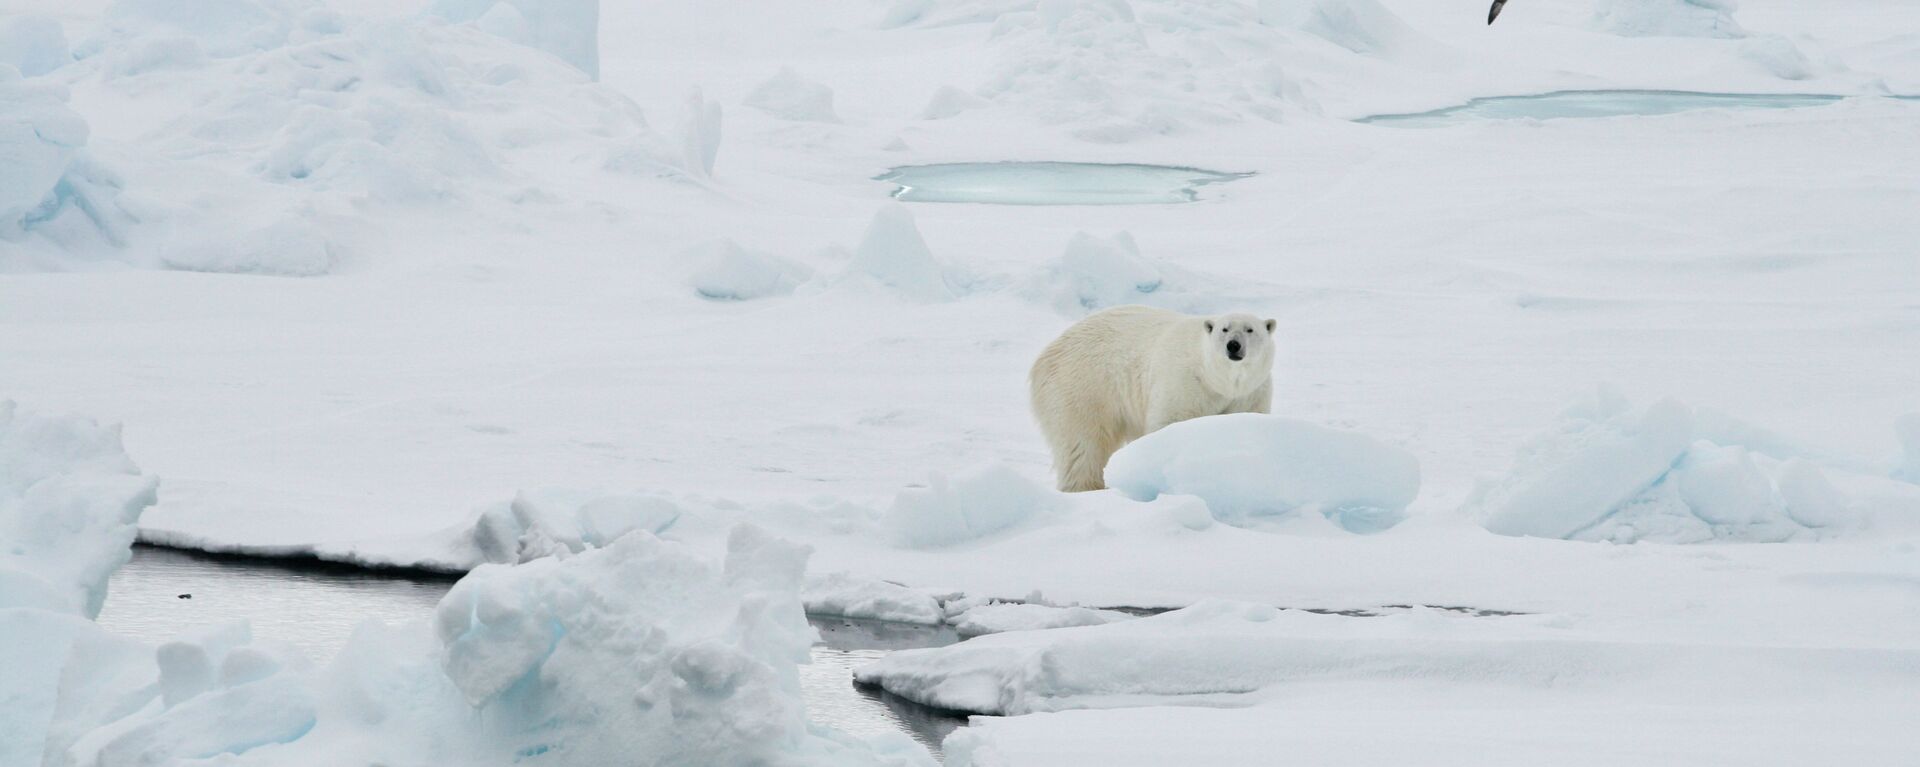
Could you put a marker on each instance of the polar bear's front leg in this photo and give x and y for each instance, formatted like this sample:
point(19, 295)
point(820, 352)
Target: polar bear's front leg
point(1260, 401)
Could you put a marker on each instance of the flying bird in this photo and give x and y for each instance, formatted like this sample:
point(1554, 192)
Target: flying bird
point(1494, 12)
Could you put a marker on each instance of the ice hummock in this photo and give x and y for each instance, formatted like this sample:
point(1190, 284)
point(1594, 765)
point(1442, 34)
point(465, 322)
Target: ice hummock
point(1608, 470)
point(1250, 466)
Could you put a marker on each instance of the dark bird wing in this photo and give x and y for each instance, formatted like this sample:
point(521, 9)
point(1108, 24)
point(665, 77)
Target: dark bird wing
point(1494, 12)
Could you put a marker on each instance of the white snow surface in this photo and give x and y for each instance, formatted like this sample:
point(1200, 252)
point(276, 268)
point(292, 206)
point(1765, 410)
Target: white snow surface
point(500, 300)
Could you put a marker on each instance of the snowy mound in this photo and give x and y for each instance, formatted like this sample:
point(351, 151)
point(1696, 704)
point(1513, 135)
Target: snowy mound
point(69, 502)
point(1609, 471)
point(789, 96)
point(722, 270)
point(894, 255)
point(1249, 465)
point(1668, 18)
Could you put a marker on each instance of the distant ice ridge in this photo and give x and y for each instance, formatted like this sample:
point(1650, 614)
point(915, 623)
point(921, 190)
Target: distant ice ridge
point(311, 131)
point(1252, 467)
point(1119, 71)
point(1610, 471)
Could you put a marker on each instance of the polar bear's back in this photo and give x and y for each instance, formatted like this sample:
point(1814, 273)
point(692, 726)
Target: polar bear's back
point(1097, 368)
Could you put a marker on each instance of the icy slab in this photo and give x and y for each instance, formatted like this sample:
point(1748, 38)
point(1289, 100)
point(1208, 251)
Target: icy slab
point(1576, 104)
point(1052, 183)
point(850, 596)
point(1001, 617)
point(1248, 465)
point(1221, 652)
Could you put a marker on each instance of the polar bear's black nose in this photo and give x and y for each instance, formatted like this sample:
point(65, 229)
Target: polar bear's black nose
point(1234, 352)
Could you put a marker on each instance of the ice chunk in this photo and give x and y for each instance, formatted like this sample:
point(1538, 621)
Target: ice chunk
point(33, 44)
point(548, 523)
point(966, 507)
point(849, 596)
point(568, 29)
point(1607, 472)
point(1097, 273)
point(69, 503)
point(1247, 465)
point(1600, 455)
point(1668, 18)
point(789, 96)
point(723, 270)
point(893, 254)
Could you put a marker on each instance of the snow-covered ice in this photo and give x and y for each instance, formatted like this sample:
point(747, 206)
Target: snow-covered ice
point(544, 317)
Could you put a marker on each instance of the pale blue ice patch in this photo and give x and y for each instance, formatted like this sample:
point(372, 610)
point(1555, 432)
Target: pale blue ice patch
point(1611, 103)
point(1052, 183)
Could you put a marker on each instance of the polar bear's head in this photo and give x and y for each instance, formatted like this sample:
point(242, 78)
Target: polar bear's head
point(1238, 340)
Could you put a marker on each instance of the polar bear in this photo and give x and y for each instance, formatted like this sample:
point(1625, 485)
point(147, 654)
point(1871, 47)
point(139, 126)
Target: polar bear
point(1129, 370)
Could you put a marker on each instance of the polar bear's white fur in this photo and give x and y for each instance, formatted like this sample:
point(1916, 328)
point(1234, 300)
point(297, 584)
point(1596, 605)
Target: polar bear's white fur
point(1130, 370)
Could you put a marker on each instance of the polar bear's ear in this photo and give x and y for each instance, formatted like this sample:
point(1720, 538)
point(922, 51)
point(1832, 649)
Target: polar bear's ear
point(1209, 326)
point(1270, 324)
